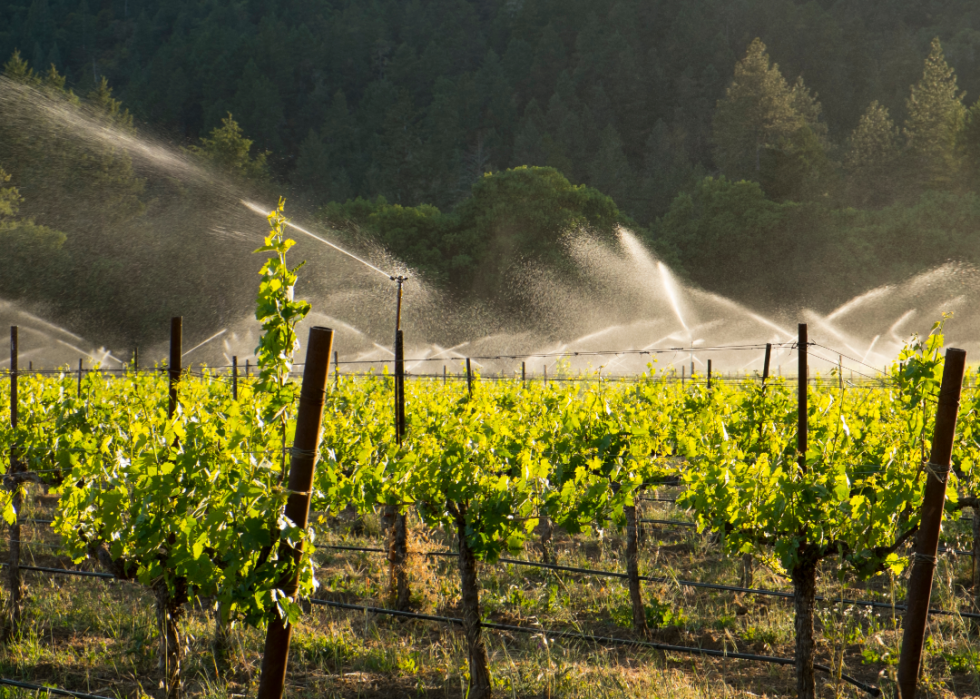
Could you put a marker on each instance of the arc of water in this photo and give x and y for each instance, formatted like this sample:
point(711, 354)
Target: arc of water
point(857, 301)
point(21, 355)
point(891, 331)
point(258, 209)
point(870, 347)
point(77, 349)
point(668, 284)
point(198, 346)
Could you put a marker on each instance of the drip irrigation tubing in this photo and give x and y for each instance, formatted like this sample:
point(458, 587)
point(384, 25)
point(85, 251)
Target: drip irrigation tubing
point(65, 571)
point(668, 580)
point(50, 690)
point(668, 522)
point(549, 633)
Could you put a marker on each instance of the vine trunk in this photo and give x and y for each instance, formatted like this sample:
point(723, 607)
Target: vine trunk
point(480, 687)
point(633, 571)
point(804, 591)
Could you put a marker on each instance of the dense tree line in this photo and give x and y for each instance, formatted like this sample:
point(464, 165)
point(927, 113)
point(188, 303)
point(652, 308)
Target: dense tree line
point(415, 100)
point(761, 146)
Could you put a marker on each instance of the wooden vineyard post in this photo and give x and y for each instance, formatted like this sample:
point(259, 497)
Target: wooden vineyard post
point(80, 377)
point(801, 415)
point(13, 561)
point(709, 374)
point(400, 592)
point(176, 337)
point(469, 377)
point(399, 386)
point(303, 460)
point(523, 374)
point(234, 377)
point(136, 359)
point(545, 374)
point(682, 377)
point(927, 539)
point(336, 370)
point(169, 603)
point(443, 374)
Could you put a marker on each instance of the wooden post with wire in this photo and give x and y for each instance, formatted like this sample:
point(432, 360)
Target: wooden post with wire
point(234, 377)
point(523, 374)
point(15, 586)
point(927, 538)
point(336, 370)
point(709, 374)
point(80, 360)
point(399, 386)
point(469, 377)
point(303, 460)
point(173, 367)
point(801, 415)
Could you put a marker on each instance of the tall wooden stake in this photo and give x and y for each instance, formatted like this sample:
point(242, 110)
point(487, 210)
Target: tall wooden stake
point(523, 373)
point(927, 539)
point(469, 377)
point(399, 386)
point(709, 374)
point(234, 377)
point(176, 337)
point(13, 561)
point(308, 428)
point(336, 370)
point(80, 377)
point(801, 417)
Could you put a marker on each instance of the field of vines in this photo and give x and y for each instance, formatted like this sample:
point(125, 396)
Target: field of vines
point(584, 537)
point(579, 537)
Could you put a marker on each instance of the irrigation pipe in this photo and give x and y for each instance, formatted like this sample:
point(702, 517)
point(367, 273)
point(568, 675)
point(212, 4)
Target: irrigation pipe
point(66, 571)
point(49, 690)
point(872, 690)
point(682, 583)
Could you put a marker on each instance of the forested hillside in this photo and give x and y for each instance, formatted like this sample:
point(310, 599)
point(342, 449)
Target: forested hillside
point(850, 122)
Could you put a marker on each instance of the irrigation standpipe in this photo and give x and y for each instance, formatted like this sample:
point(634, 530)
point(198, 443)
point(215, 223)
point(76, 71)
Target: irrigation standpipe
point(399, 590)
point(309, 420)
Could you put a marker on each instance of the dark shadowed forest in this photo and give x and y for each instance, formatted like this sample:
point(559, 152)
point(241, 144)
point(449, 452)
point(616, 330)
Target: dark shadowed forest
point(774, 151)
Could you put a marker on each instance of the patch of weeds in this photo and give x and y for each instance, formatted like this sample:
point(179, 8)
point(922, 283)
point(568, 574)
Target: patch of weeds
point(332, 652)
point(964, 660)
point(879, 653)
point(657, 613)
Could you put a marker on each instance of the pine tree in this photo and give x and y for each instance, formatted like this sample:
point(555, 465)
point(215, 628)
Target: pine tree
point(609, 171)
point(228, 149)
point(768, 131)
point(970, 146)
point(871, 157)
point(935, 118)
point(759, 110)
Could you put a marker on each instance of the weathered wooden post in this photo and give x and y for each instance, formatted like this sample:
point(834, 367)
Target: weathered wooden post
point(927, 539)
point(308, 427)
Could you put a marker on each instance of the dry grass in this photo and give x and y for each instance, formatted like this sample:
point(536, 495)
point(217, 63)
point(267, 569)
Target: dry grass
point(100, 636)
